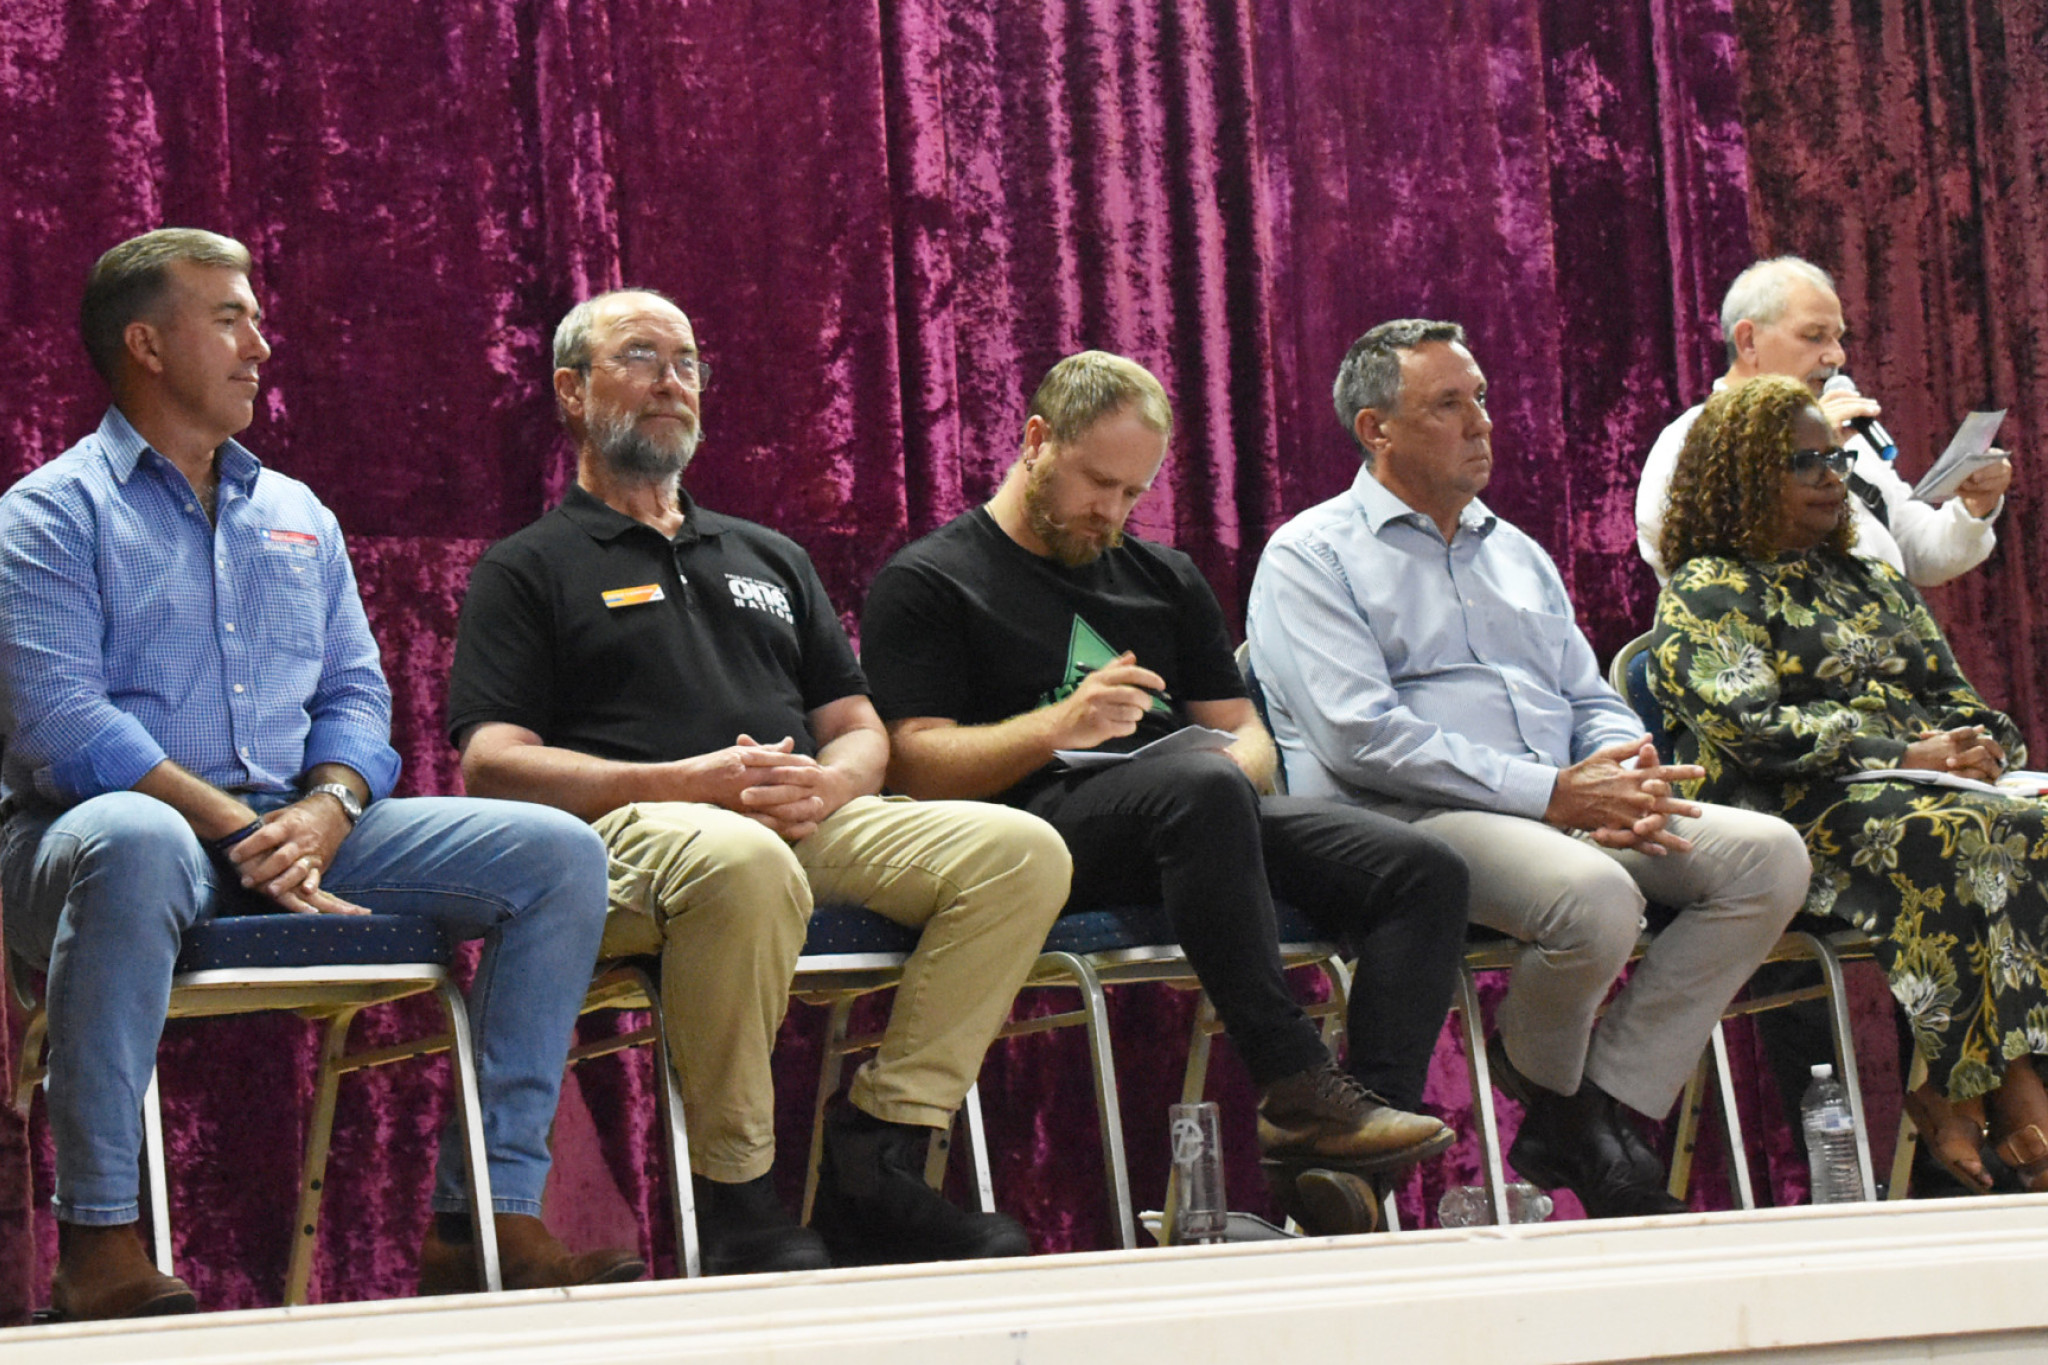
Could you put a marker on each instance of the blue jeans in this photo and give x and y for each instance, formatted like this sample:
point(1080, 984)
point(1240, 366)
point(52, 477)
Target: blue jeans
point(103, 891)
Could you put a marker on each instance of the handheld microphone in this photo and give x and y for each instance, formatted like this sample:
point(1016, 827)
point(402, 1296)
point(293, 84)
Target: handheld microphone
point(1869, 428)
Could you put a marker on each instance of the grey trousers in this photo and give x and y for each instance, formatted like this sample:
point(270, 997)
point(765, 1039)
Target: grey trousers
point(1578, 907)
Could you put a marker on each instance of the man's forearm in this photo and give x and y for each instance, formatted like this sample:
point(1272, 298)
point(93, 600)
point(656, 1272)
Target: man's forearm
point(581, 784)
point(1255, 754)
point(971, 762)
point(212, 813)
point(860, 756)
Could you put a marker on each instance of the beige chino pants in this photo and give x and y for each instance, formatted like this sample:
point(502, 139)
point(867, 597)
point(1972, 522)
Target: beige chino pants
point(726, 902)
point(1577, 908)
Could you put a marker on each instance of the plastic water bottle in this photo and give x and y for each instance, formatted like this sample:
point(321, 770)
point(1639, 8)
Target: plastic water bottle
point(1469, 1206)
point(1830, 1140)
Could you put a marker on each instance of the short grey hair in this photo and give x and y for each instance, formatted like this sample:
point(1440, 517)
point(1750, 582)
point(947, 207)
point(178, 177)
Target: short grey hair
point(1370, 375)
point(131, 280)
point(572, 333)
point(1763, 292)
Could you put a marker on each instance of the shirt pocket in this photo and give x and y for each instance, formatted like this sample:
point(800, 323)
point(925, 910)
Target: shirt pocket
point(1541, 639)
point(288, 602)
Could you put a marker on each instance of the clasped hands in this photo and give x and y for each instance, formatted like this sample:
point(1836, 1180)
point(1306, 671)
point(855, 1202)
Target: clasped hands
point(789, 792)
point(283, 859)
point(1966, 751)
point(1621, 806)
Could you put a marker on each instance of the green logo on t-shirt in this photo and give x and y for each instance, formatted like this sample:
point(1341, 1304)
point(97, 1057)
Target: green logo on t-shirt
point(1086, 652)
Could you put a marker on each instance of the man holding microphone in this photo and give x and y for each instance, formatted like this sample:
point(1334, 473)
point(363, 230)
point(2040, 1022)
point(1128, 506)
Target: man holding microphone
point(1782, 316)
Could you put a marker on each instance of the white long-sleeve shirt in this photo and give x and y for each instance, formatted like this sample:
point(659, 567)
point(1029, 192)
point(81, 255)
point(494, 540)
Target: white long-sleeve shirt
point(1927, 544)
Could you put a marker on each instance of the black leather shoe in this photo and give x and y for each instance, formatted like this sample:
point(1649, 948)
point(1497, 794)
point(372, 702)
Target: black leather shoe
point(742, 1229)
point(873, 1207)
point(1575, 1142)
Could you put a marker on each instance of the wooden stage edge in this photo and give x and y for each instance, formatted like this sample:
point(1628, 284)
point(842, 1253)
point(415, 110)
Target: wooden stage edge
point(1963, 1280)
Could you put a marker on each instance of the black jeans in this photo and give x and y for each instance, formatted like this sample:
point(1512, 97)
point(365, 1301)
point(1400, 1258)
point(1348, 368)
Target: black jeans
point(1190, 832)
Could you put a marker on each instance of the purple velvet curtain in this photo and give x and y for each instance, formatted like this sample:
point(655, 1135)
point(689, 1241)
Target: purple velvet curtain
point(886, 221)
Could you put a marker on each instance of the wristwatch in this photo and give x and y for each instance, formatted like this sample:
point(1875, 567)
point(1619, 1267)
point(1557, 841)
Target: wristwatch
point(349, 805)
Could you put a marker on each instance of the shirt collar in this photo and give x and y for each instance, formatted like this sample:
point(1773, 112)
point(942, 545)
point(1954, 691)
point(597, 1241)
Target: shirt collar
point(1379, 505)
point(601, 521)
point(122, 447)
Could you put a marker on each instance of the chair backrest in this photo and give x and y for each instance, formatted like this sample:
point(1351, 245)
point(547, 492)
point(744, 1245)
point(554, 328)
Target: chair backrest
point(1243, 656)
point(1630, 675)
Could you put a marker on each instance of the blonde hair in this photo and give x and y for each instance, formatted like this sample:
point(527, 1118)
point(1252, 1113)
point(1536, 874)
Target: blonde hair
point(1083, 389)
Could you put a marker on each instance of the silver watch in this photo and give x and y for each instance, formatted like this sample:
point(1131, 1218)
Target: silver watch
point(349, 805)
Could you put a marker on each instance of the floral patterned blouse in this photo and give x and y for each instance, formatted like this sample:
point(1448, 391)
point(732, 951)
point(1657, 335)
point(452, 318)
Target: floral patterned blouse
point(1780, 677)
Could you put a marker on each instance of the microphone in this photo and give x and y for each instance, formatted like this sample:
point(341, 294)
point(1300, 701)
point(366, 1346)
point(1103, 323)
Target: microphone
point(1869, 428)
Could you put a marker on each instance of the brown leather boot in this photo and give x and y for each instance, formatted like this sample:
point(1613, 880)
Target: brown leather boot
point(103, 1273)
point(529, 1257)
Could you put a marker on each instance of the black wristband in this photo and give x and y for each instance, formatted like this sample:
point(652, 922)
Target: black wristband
point(219, 847)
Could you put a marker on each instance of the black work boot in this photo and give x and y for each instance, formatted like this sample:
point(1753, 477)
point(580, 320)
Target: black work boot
point(873, 1207)
point(1581, 1143)
point(742, 1229)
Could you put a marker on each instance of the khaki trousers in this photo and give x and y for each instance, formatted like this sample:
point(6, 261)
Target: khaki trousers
point(725, 902)
point(1578, 907)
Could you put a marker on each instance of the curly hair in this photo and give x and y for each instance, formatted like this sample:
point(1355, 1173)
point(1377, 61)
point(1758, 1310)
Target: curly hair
point(1725, 492)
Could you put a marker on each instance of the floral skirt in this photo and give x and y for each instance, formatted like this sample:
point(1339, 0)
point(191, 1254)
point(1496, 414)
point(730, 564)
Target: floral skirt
point(1954, 887)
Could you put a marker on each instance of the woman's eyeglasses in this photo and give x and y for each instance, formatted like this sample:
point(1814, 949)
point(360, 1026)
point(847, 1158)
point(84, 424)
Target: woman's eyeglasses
point(1808, 464)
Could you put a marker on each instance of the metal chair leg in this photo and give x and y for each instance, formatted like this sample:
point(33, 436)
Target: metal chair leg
point(1731, 1122)
point(831, 1067)
point(313, 1169)
point(676, 1145)
point(1843, 1027)
point(469, 1113)
point(159, 1181)
point(1902, 1150)
point(977, 1146)
point(1685, 1134)
point(1068, 969)
point(1195, 1078)
point(1482, 1096)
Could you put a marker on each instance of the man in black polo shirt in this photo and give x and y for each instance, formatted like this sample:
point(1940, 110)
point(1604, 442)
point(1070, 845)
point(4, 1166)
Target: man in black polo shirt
point(1033, 625)
point(680, 679)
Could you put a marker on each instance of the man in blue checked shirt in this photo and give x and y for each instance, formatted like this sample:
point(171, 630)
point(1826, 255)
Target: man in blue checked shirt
point(195, 723)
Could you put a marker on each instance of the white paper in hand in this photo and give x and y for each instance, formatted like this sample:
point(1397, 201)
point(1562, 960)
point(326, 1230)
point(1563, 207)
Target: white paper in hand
point(1968, 452)
point(1188, 739)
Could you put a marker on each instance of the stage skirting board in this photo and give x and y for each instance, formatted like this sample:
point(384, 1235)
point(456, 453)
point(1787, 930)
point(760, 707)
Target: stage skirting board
point(1963, 1280)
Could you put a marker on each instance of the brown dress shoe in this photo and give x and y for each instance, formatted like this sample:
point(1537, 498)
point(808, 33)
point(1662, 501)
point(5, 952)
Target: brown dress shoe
point(103, 1273)
point(529, 1257)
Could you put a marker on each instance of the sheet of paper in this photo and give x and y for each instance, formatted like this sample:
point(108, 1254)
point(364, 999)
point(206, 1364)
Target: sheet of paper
point(1186, 740)
point(1970, 449)
point(2019, 783)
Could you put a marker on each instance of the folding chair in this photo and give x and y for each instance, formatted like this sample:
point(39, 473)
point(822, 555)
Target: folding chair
point(325, 968)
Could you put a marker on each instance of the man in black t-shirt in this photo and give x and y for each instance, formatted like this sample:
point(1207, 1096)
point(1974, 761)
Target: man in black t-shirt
point(1033, 625)
point(680, 679)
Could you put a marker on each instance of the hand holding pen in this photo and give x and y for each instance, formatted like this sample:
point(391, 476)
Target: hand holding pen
point(1109, 703)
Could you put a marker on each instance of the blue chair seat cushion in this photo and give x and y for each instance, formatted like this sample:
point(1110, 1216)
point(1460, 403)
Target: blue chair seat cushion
point(239, 942)
point(856, 929)
point(839, 929)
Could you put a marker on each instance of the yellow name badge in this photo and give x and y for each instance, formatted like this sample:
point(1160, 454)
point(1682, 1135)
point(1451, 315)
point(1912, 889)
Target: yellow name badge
point(633, 597)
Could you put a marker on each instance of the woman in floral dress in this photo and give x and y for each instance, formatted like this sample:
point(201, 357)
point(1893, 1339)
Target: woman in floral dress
point(1789, 662)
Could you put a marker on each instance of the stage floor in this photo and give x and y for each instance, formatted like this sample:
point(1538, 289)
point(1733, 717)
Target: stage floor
point(1963, 1280)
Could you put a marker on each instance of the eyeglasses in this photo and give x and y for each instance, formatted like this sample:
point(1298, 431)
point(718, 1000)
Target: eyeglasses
point(1808, 464)
point(645, 364)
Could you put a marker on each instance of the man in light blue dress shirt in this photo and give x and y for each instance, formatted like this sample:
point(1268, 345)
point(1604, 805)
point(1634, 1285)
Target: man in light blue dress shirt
point(1420, 658)
point(195, 724)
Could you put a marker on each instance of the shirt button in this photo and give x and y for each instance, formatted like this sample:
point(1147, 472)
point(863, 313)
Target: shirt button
point(238, 687)
point(190, 508)
point(244, 751)
point(231, 625)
